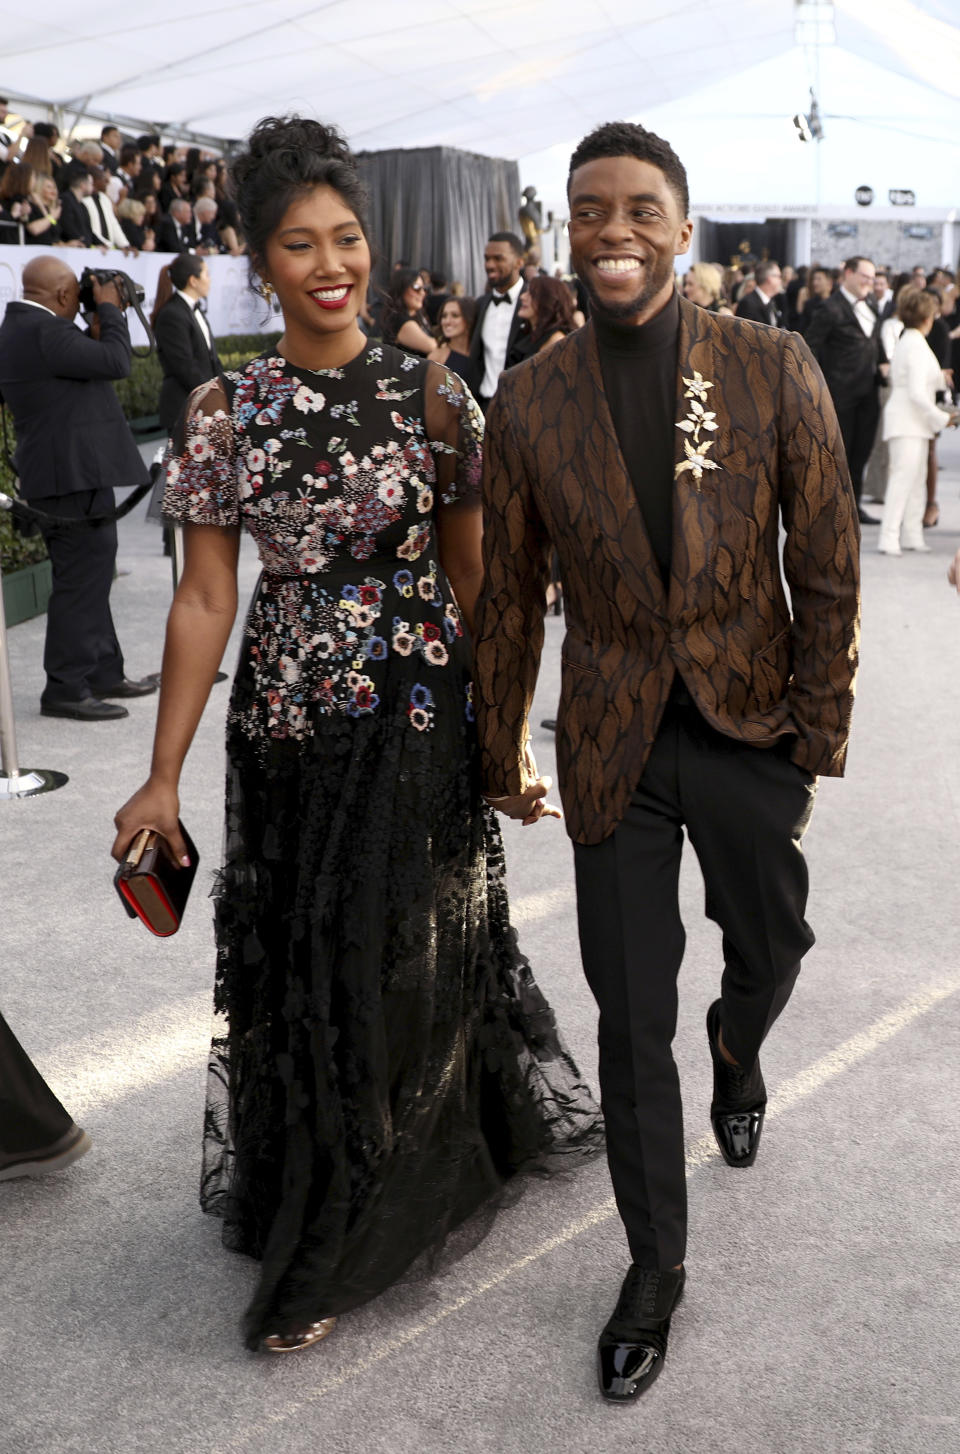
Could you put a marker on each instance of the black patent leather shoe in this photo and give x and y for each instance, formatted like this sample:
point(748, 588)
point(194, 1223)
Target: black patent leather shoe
point(739, 1101)
point(128, 688)
point(87, 709)
point(866, 519)
point(633, 1346)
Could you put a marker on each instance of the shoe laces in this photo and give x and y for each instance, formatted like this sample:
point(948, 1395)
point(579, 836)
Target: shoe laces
point(638, 1296)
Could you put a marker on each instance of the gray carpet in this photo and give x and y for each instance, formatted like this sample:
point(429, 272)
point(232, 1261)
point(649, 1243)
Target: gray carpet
point(821, 1314)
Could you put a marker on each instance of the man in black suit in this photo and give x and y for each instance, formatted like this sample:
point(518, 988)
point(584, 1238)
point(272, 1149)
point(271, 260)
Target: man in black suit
point(185, 344)
point(205, 213)
point(110, 144)
point(74, 217)
point(498, 326)
point(844, 336)
point(763, 304)
point(73, 448)
point(130, 163)
point(151, 158)
point(178, 232)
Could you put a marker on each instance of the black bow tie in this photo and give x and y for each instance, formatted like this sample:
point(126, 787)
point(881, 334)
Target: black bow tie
point(499, 298)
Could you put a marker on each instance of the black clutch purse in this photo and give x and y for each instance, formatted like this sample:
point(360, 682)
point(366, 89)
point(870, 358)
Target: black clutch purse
point(151, 887)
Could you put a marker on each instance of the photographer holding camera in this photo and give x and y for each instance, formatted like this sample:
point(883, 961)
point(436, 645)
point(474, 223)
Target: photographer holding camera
point(73, 448)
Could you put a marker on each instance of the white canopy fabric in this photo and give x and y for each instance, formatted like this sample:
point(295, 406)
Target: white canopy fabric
point(504, 79)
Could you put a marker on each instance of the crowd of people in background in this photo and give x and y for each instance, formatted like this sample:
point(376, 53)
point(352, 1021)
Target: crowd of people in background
point(136, 195)
point(140, 195)
point(882, 338)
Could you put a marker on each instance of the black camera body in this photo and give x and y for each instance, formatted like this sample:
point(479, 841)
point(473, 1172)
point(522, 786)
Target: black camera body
point(131, 293)
point(131, 296)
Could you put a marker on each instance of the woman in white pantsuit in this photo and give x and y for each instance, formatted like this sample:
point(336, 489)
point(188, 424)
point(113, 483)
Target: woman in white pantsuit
point(910, 420)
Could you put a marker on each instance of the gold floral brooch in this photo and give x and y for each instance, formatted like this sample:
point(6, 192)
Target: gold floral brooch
point(698, 418)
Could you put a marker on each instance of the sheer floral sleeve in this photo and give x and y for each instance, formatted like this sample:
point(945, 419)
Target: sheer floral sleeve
point(455, 431)
point(201, 486)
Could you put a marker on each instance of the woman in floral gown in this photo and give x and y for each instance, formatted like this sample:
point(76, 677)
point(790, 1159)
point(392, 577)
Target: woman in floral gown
point(389, 1063)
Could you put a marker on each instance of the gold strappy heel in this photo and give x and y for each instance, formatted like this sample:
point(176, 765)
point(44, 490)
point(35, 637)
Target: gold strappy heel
point(304, 1338)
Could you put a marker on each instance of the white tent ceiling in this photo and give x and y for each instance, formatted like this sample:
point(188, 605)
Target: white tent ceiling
point(507, 80)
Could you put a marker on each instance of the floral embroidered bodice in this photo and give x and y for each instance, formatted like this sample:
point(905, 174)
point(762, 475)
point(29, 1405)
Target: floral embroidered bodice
point(340, 477)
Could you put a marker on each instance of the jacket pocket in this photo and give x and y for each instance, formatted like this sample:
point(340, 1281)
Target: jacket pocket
point(770, 670)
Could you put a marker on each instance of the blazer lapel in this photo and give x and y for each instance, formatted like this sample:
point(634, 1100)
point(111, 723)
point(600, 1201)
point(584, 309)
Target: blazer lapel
point(702, 436)
point(516, 321)
point(610, 493)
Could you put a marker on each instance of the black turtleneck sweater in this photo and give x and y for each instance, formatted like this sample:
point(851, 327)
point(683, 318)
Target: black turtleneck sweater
point(639, 370)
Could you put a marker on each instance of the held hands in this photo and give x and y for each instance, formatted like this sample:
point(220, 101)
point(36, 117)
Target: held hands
point(530, 806)
point(152, 806)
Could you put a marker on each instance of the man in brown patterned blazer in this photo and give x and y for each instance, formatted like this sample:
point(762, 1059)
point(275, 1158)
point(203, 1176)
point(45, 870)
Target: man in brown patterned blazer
point(658, 450)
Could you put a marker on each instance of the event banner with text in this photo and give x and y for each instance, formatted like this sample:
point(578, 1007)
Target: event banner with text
point(232, 306)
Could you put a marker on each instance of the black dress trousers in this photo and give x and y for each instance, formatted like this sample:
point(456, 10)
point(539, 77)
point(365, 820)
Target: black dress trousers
point(82, 655)
point(31, 1117)
point(858, 426)
point(745, 810)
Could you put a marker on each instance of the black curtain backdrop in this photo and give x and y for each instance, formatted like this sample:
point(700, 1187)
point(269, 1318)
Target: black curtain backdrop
point(436, 207)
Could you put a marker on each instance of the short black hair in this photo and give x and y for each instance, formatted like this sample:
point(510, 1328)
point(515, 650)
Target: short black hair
point(511, 238)
point(149, 139)
point(75, 172)
point(627, 139)
point(185, 267)
point(284, 158)
point(106, 130)
point(852, 263)
point(128, 153)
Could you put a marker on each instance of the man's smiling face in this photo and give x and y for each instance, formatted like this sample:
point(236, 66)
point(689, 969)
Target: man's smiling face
point(626, 228)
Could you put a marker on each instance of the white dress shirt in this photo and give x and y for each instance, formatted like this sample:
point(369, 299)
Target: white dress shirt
point(495, 333)
point(865, 314)
point(199, 317)
point(103, 220)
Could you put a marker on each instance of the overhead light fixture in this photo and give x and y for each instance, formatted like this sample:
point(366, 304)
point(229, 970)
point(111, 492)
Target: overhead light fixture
point(813, 118)
point(809, 126)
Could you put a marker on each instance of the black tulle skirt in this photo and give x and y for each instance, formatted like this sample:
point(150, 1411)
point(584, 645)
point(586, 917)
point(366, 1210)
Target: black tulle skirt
point(389, 1065)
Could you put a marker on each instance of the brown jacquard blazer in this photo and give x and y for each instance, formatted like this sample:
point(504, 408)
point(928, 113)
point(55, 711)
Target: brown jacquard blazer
point(554, 475)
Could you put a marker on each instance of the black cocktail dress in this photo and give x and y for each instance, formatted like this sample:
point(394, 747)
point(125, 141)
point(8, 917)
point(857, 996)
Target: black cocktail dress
point(387, 1063)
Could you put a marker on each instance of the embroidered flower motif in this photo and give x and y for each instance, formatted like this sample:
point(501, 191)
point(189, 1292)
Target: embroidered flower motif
point(391, 493)
point(420, 709)
point(307, 401)
point(698, 419)
point(415, 543)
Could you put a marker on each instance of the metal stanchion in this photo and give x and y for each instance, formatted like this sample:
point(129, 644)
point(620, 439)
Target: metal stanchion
point(17, 782)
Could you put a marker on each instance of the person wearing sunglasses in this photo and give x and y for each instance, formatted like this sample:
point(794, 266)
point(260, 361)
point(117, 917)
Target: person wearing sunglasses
point(404, 321)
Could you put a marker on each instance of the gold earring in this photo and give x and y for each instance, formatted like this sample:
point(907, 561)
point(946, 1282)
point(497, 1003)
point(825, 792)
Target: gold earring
point(266, 291)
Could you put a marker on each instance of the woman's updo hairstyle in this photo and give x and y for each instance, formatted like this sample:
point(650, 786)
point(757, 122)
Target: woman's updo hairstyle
point(286, 156)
